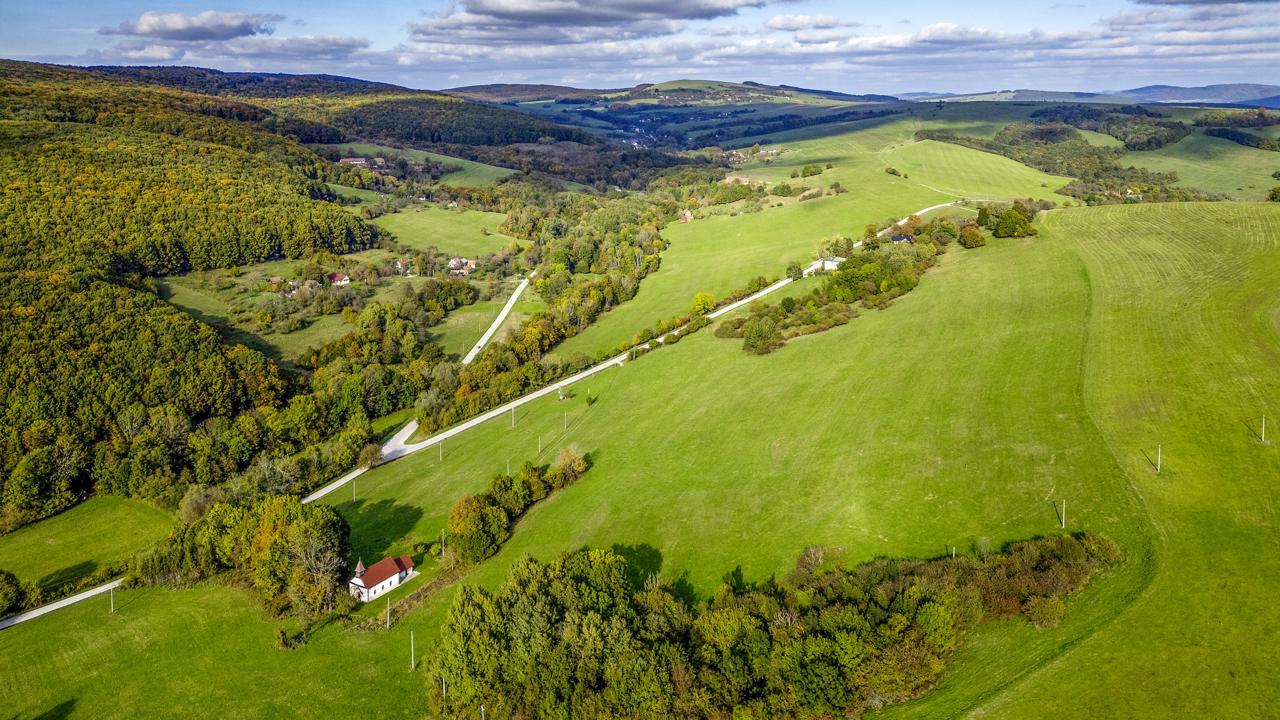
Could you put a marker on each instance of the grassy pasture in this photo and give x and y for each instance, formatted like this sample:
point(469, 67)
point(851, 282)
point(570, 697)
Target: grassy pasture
point(469, 233)
point(97, 533)
point(1214, 164)
point(212, 295)
point(937, 422)
point(471, 174)
point(360, 194)
point(1184, 346)
point(720, 253)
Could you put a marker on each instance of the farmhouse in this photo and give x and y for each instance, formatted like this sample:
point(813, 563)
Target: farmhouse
point(338, 279)
point(831, 262)
point(387, 573)
point(461, 267)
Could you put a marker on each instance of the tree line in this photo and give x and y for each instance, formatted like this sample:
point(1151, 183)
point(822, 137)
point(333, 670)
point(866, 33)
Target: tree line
point(595, 634)
point(1057, 148)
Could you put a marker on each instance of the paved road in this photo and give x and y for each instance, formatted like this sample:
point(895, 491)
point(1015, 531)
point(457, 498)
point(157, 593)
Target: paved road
point(33, 614)
point(497, 323)
point(399, 446)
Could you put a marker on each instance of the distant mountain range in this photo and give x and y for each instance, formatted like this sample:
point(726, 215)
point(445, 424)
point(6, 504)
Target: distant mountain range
point(680, 91)
point(1232, 93)
point(1246, 93)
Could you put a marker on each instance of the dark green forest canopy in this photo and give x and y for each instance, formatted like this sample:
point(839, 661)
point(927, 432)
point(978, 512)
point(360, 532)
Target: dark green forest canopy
point(596, 633)
point(252, 84)
point(103, 387)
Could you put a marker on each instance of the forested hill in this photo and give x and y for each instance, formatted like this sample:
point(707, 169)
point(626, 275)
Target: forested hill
point(328, 109)
point(252, 84)
point(107, 181)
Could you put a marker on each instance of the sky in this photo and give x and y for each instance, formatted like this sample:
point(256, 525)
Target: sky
point(863, 47)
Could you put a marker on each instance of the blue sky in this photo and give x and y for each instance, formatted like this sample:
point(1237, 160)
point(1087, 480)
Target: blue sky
point(858, 47)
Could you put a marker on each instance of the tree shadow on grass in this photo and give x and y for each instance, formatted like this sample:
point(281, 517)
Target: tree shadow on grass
point(67, 575)
point(59, 711)
point(377, 526)
point(645, 561)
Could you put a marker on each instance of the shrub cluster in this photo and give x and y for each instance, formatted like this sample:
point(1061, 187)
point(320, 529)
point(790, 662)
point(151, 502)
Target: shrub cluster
point(588, 635)
point(293, 555)
point(767, 327)
point(479, 524)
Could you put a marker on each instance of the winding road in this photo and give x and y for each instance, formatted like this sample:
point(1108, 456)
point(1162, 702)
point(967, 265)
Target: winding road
point(399, 446)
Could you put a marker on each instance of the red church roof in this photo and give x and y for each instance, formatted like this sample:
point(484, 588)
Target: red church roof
point(383, 569)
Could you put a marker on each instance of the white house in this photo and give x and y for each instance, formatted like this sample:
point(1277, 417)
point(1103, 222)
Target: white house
point(831, 263)
point(379, 577)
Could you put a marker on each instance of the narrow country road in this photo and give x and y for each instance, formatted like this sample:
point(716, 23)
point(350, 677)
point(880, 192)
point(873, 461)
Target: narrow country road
point(497, 323)
point(399, 446)
point(33, 614)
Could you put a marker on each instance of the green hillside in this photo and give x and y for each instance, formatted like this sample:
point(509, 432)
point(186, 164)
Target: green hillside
point(720, 253)
point(1214, 164)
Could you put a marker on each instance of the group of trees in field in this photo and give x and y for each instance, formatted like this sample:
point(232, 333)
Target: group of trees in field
point(1258, 117)
point(479, 524)
point(1099, 176)
point(592, 634)
point(1011, 220)
point(1137, 127)
point(766, 327)
point(1226, 124)
point(293, 556)
point(1241, 137)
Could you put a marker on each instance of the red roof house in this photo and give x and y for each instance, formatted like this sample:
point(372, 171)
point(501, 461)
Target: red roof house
point(368, 583)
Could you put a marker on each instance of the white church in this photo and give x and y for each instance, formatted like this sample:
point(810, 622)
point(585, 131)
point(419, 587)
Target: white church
point(378, 578)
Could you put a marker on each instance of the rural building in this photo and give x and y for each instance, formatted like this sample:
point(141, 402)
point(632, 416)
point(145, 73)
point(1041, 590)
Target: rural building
point(831, 262)
point(354, 162)
point(686, 216)
point(338, 279)
point(904, 239)
point(404, 266)
point(386, 574)
point(461, 267)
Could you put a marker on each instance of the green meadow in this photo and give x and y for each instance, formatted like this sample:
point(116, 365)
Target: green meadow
point(1214, 164)
point(937, 423)
point(98, 533)
point(469, 174)
point(720, 253)
point(469, 233)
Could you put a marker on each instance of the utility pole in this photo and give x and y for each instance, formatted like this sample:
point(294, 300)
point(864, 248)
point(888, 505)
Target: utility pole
point(442, 541)
point(482, 713)
point(1159, 457)
point(441, 446)
point(1064, 513)
point(1264, 429)
point(513, 417)
point(539, 443)
point(388, 613)
point(413, 656)
point(566, 421)
point(113, 601)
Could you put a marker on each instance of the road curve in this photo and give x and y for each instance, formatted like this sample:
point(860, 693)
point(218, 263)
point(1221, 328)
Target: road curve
point(399, 446)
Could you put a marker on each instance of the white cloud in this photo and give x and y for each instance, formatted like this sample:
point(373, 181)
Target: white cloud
point(806, 22)
point(208, 25)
